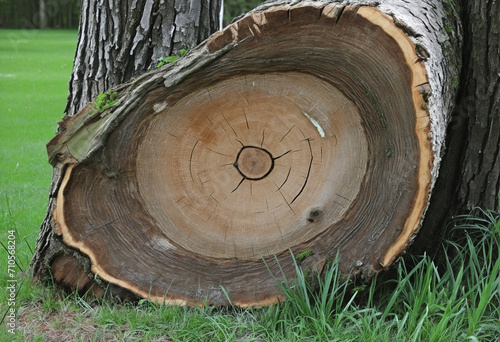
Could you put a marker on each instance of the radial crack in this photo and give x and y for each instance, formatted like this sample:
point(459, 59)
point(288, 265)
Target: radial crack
point(237, 186)
point(284, 154)
point(246, 119)
point(284, 199)
point(308, 171)
point(288, 175)
point(209, 119)
point(191, 161)
point(287, 133)
point(229, 124)
point(222, 154)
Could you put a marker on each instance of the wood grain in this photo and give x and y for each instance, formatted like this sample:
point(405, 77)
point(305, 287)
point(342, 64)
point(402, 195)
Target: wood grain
point(296, 128)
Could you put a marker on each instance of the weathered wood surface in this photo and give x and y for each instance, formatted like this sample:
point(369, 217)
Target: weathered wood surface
point(310, 127)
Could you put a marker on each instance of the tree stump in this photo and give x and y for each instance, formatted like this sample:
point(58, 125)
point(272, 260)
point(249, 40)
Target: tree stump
point(302, 128)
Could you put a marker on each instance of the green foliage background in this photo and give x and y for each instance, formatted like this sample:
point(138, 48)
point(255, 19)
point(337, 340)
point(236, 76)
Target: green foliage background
point(65, 13)
point(25, 14)
point(233, 8)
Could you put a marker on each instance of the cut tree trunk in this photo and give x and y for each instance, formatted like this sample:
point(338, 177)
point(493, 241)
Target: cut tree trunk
point(303, 129)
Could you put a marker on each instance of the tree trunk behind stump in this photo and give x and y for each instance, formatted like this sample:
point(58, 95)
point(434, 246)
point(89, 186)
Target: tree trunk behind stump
point(304, 128)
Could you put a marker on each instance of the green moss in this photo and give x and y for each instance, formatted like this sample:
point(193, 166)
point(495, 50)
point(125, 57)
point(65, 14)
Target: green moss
point(106, 100)
point(301, 256)
point(170, 59)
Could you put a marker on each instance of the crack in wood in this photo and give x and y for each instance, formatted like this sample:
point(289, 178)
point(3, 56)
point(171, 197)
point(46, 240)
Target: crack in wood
point(229, 124)
point(288, 175)
point(246, 119)
point(347, 199)
point(286, 133)
point(341, 11)
point(209, 119)
point(191, 161)
point(241, 181)
point(277, 224)
point(203, 182)
point(213, 211)
point(308, 172)
point(105, 225)
point(305, 138)
point(284, 199)
point(284, 154)
point(222, 154)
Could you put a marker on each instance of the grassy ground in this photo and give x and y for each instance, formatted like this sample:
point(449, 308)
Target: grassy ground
point(34, 71)
point(457, 300)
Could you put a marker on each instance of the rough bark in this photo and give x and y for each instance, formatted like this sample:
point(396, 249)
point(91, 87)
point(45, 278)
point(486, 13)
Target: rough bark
point(121, 39)
point(315, 127)
point(470, 174)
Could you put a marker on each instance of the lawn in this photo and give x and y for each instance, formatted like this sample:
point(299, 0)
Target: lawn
point(456, 299)
point(35, 67)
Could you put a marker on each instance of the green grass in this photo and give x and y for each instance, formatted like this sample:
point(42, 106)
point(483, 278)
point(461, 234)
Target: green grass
point(35, 67)
point(455, 299)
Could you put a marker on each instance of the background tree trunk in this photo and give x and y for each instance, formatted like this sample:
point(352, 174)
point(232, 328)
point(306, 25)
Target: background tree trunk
point(29, 14)
point(121, 39)
point(470, 173)
point(43, 17)
point(109, 178)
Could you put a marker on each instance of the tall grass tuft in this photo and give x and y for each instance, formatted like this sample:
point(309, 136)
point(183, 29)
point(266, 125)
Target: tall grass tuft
point(453, 301)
